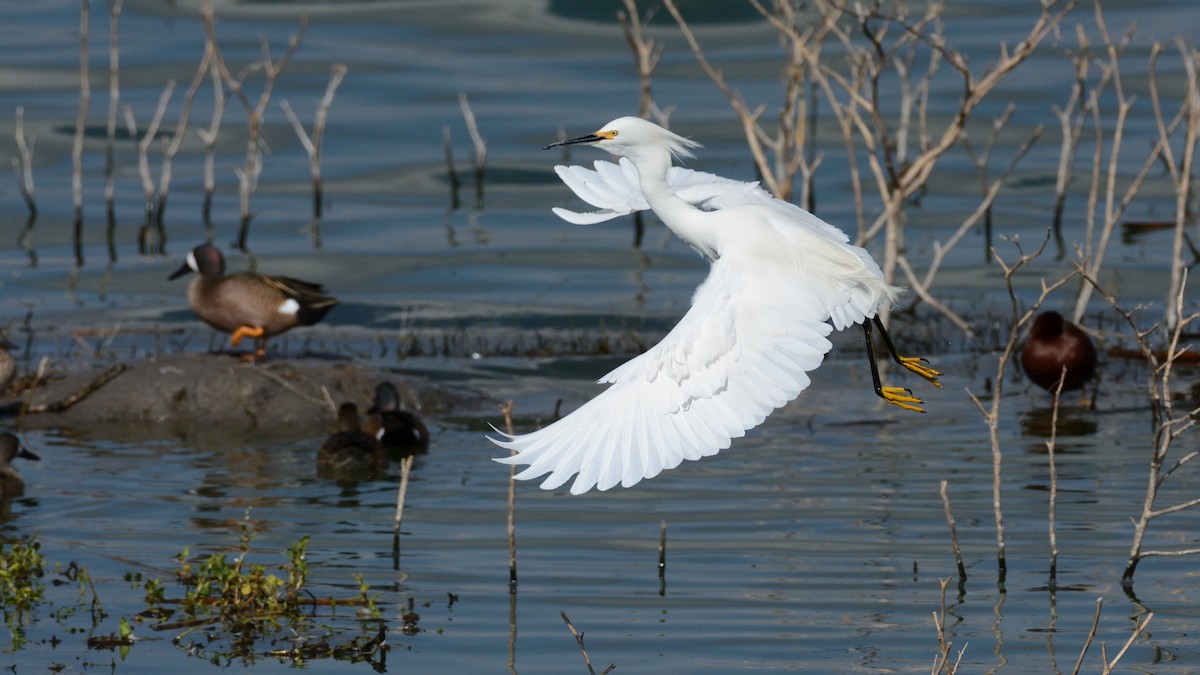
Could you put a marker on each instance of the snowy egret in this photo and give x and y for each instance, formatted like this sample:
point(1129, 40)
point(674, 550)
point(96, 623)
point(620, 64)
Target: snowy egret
point(779, 278)
point(249, 305)
point(1053, 343)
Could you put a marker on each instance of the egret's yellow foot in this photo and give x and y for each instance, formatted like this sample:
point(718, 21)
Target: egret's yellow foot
point(245, 332)
point(918, 365)
point(899, 396)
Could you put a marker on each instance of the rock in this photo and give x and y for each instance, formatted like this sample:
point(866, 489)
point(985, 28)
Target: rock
point(199, 394)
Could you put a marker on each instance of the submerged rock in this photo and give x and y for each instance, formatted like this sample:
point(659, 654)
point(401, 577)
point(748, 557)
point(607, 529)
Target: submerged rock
point(187, 394)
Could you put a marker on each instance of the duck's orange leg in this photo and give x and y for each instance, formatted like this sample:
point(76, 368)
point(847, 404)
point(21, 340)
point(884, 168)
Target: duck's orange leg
point(245, 332)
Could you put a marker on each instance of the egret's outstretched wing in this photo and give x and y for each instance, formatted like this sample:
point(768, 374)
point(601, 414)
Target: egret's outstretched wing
point(743, 349)
point(613, 189)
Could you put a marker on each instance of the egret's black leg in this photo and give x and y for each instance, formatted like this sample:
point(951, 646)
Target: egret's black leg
point(914, 363)
point(898, 396)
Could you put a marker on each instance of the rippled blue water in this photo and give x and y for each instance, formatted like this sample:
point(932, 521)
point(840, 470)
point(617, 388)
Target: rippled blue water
point(814, 545)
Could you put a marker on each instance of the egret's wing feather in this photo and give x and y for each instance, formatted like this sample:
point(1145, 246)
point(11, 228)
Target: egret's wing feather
point(844, 281)
point(731, 193)
point(742, 350)
point(613, 188)
point(587, 217)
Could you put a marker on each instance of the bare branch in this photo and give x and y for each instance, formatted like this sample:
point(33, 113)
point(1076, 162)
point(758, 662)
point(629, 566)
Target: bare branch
point(646, 52)
point(23, 163)
point(85, 97)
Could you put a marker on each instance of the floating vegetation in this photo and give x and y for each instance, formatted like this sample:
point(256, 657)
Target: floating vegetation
point(230, 610)
point(230, 607)
point(21, 570)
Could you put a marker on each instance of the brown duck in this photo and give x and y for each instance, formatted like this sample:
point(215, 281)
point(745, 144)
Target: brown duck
point(8, 365)
point(1055, 343)
point(350, 451)
point(11, 484)
point(247, 304)
point(402, 431)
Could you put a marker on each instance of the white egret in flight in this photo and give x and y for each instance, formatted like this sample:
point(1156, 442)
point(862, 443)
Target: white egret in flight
point(781, 280)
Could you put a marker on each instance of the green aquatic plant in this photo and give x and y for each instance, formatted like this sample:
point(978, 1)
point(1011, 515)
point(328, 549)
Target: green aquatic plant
point(366, 599)
point(21, 570)
point(121, 641)
point(239, 606)
point(240, 594)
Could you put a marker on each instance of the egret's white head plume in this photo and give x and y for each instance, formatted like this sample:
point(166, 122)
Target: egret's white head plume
point(626, 136)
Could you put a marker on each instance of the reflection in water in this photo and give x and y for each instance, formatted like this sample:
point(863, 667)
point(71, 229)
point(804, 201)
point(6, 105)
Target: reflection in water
point(1039, 423)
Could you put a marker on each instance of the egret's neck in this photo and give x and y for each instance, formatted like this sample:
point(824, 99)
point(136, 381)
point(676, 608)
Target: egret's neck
point(685, 220)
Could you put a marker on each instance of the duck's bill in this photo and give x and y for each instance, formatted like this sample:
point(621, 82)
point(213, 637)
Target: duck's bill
point(26, 454)
point(180, 272)
point(578, 140)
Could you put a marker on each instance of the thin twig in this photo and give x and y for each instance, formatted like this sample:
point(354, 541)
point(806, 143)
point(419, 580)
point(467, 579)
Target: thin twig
point(78, 395)
point(23, 164)
point(992, 414)
point(451, 172)
point(1090, 637)
point(1108, 667)
point(149, 240)
point(312, 144)
point(1051, 446)
point(958, 559)
point(401, 492)
point(583, 650)
point(209, 136)
point(85, 97)
point(479, 159)
point(1104, 177)
point(1180, 170)
point(646, 52)
point(171, 148)
point(507, 410)
point(662, 559)
point(1071, 119)
point(114, 99)
point(249, 172)
point(942, 662)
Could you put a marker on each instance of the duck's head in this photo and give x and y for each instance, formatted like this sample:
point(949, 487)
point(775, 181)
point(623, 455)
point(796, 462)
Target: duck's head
point(205, 260)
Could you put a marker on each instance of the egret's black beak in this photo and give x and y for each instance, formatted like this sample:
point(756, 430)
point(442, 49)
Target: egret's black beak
point(26, 454)
point(180, 272)
point(578, 140)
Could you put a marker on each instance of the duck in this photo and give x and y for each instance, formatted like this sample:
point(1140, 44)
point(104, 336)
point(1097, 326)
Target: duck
point(8, 365)
point(247, 304)
point(11, 484)
point(401, 429)
point(1053, 343)
point(350, 450)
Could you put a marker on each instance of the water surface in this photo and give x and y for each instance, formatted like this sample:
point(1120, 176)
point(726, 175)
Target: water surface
point(816, 544)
